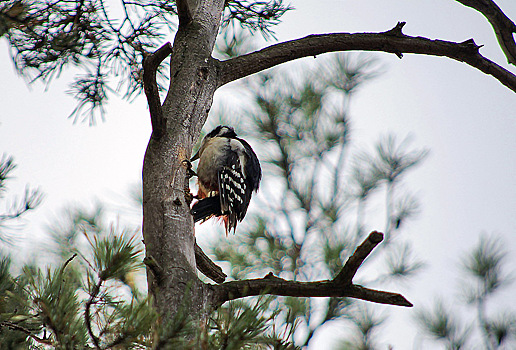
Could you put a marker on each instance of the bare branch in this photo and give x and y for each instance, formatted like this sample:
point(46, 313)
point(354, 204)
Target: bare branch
point(278, 286)
point(349, 270)
point(207, 267)
point(378, 296)
point(341, 286)
point(502, 25)
point(150, 66)
point(393, 41)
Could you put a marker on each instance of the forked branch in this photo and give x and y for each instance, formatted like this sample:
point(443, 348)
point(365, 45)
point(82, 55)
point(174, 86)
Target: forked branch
point(340, 286)
point(150, 86)
point(393, 41)
point(349, 270)
point(185, 10)
point(503, 26)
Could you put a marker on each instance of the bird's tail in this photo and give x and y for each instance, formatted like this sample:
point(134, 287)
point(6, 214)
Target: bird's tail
point(205, 208)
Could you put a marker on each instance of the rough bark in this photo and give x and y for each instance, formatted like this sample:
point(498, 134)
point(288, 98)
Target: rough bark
point(167, 223)
point(503, 26)
point(172, 256)
point(207, 267)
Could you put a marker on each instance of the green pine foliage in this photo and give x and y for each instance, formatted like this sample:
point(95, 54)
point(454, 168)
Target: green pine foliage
point(94, 299)
point(319, 193)
point(485, 273)
point(108, 43)
point(15, 207)
point(88, 300)
point(365, 326)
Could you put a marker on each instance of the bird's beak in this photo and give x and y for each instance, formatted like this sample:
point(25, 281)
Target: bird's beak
point(195, 157)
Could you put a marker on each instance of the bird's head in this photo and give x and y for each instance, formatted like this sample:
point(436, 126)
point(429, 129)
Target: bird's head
point(219, 131)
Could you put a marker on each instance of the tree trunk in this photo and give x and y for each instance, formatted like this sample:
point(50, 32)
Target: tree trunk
point(167, 224)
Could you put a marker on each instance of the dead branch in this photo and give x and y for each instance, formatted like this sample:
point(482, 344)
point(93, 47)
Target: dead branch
point(207, 267)
point(340, 286)
point(393, 41)
point(150, 86)
point(349, 270)
point(502, 25)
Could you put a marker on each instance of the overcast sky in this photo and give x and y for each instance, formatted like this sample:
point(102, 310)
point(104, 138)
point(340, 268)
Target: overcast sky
point(467, 119)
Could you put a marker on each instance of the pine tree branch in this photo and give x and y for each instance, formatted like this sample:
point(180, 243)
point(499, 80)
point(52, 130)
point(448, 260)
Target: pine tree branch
point(87, 312)
point(349, 270)
point(17, 327)
point(340, 286)
point(393, 41)
point(207, 267)
point(503, 26)
point(150, 86)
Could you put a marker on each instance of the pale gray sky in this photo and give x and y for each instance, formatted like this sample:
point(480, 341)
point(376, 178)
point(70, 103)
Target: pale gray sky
point(467, 119)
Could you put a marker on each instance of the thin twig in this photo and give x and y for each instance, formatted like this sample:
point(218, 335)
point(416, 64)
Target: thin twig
point(17, 327)
point(87, 314)
point(69, 260)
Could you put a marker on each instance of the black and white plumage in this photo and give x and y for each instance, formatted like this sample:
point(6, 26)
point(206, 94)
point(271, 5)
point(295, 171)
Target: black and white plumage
point(228, 173)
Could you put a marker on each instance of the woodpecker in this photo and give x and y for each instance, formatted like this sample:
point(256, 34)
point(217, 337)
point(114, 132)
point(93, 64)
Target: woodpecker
point(227, 175)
